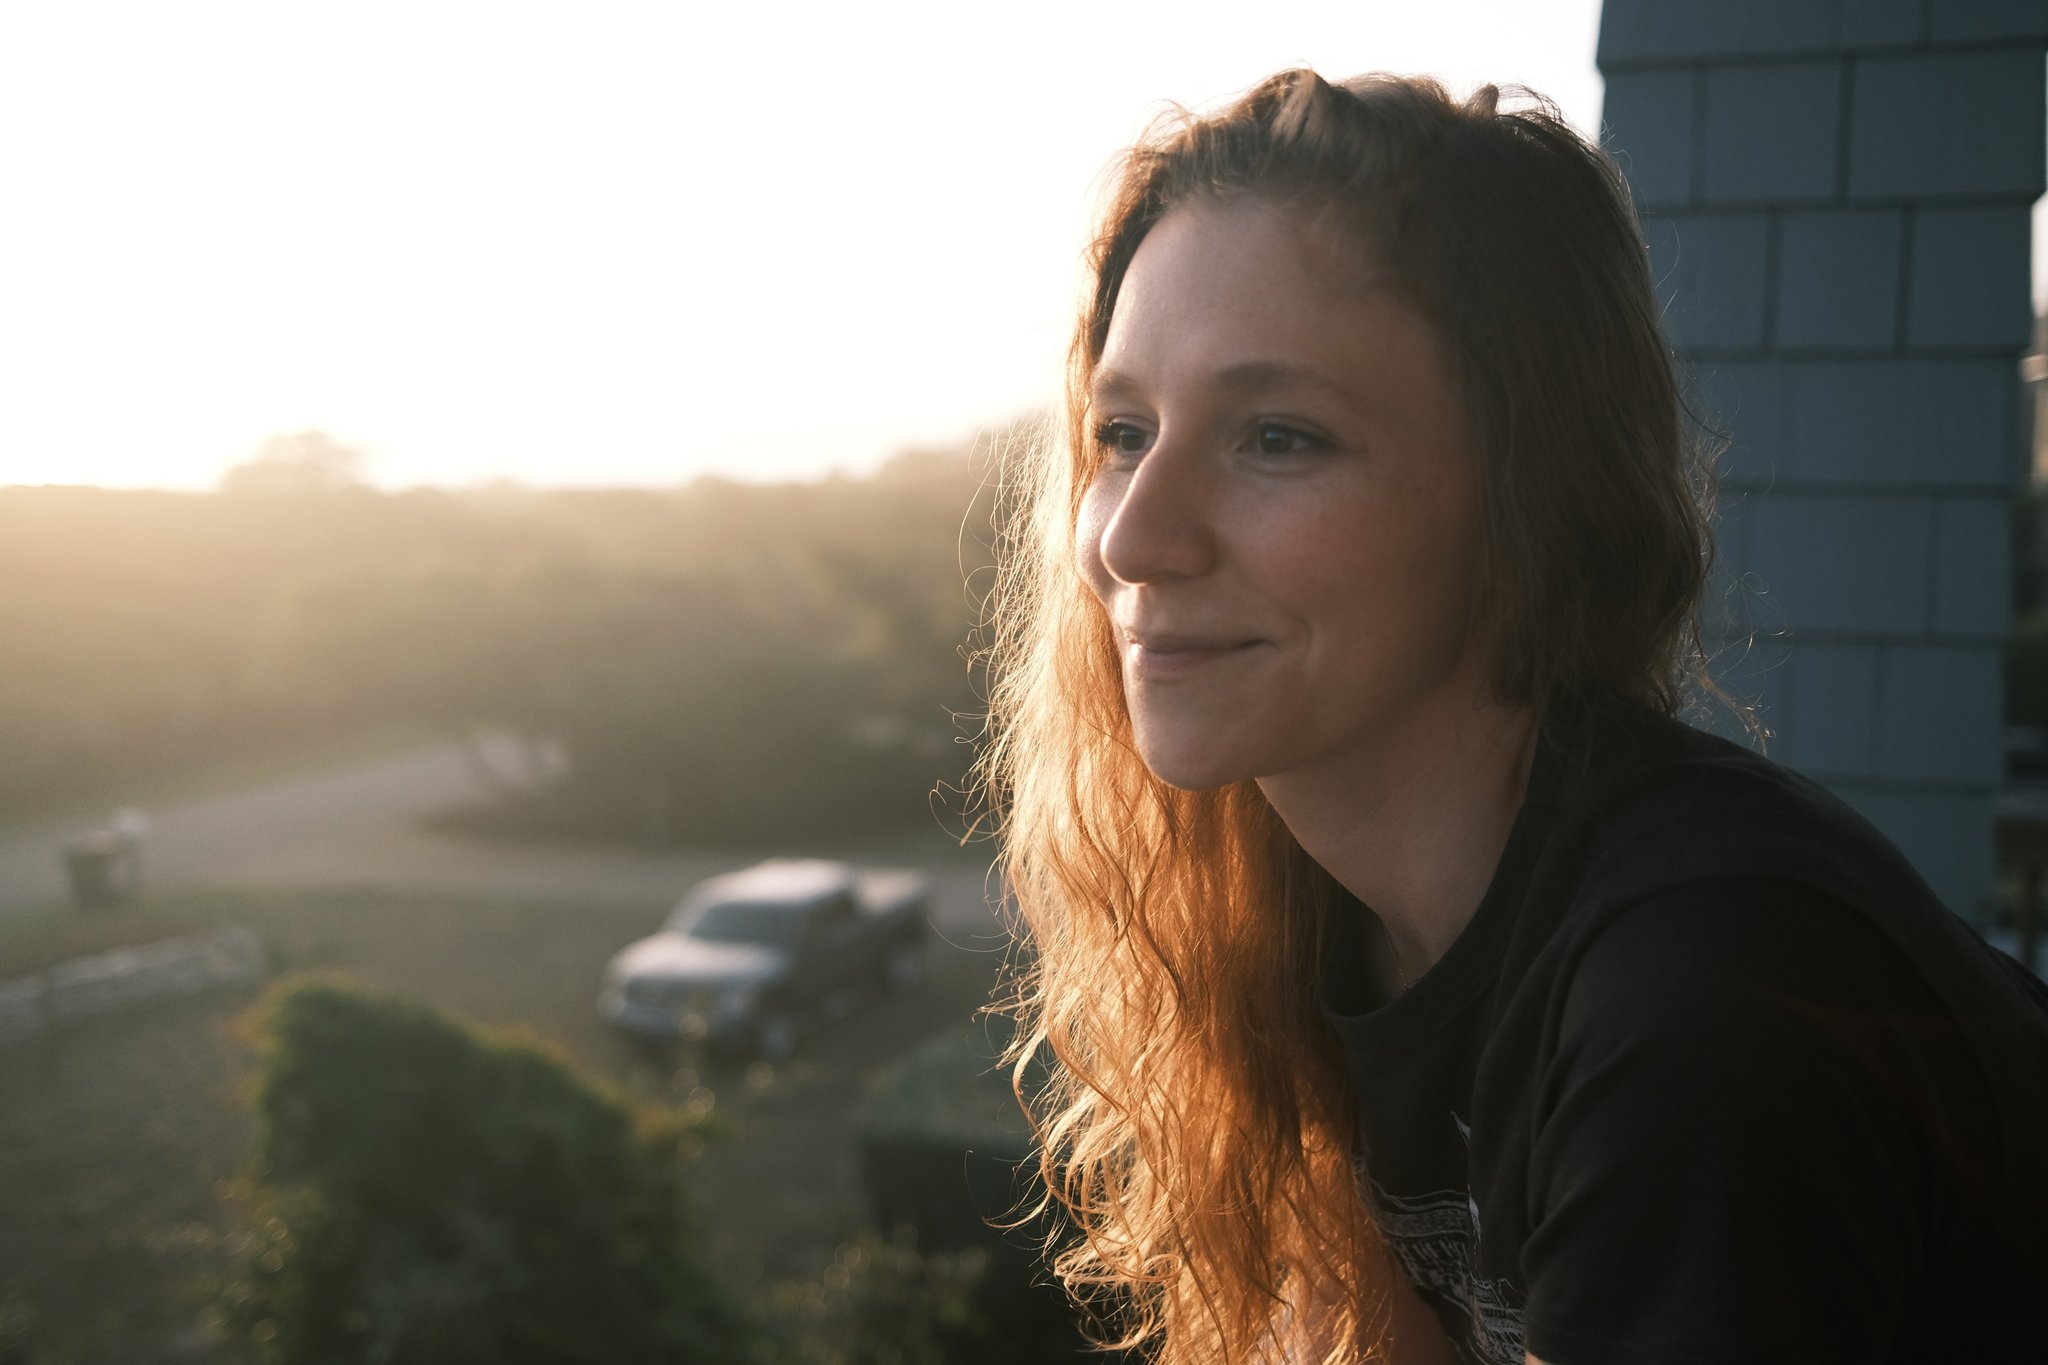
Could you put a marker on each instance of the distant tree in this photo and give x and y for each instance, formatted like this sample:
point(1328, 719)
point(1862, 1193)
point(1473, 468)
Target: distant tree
point(308, 462)
point(767, 662)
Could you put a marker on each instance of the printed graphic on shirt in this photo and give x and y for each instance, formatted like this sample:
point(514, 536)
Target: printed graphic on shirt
point(1435, 1237)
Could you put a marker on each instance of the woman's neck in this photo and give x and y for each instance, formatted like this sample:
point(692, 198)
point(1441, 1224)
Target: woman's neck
point(1415, 828)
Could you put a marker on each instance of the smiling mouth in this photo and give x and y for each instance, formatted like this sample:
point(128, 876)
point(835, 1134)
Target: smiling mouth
point(1165, 656)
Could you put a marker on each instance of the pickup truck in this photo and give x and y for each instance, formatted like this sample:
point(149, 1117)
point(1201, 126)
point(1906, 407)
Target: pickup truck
point(749, 960)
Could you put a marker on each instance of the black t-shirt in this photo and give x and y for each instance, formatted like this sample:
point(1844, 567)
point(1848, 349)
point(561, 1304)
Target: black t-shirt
point(1710, 1076)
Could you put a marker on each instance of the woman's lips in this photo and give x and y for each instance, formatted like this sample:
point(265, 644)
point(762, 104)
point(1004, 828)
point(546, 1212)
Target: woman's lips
point(1157, 658)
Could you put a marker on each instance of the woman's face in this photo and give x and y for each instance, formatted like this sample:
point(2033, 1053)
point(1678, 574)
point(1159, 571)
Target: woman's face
point(1285, 527)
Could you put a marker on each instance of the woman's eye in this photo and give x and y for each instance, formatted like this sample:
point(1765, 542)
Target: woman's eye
point(1121, 438)
point(1277, 438)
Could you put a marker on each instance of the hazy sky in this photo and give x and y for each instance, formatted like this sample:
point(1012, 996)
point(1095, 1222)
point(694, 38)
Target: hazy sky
point(598, 243)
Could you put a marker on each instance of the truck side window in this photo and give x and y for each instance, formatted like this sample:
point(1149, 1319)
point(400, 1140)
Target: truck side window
point(833, 917)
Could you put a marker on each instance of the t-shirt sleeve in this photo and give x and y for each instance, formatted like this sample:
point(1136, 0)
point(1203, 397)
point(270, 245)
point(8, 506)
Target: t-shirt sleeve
point(1730, 1155)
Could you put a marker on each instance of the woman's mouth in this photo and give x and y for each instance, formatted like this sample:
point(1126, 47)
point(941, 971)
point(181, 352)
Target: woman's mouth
point(1161, 657)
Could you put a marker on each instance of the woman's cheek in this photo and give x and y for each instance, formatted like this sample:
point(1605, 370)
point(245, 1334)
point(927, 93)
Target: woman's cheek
point(1098, 508)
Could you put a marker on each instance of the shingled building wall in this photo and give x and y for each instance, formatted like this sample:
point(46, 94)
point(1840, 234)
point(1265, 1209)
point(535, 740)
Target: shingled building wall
point(1836, 196)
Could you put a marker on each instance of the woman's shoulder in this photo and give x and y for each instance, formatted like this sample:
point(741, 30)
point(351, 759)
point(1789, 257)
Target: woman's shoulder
point(1642, 803)
point(1730, 856)
point(1742, 1084)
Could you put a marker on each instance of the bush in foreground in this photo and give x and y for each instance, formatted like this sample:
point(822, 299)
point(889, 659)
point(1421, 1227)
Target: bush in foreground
point(883, 1301)
point(431, 1195)
point(948, 1164)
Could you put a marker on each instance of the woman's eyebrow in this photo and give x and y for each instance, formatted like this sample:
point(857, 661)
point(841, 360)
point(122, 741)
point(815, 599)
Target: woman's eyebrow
point(1248, 377)
point(1107, 386)
point(1265, 376)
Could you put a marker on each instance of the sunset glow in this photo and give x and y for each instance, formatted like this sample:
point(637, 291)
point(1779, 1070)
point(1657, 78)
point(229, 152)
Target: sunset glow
point(613, 244)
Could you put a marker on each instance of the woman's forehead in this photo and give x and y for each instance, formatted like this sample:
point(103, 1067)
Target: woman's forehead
point(1252, 294)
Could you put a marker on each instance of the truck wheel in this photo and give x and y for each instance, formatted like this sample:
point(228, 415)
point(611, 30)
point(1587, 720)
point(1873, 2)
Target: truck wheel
point(775, 1037)
point(903, 968)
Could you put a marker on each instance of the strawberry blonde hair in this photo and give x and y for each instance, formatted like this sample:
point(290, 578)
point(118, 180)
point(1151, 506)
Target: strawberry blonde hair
point(1194, 1116)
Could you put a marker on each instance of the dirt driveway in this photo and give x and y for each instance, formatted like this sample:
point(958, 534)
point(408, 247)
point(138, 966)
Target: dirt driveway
point(360, 826)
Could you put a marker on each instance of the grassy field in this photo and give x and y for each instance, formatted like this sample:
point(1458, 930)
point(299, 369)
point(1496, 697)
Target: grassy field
point(117, 1134)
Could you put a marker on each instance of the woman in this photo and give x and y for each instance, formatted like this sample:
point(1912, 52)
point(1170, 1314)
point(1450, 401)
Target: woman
point(1416, 983)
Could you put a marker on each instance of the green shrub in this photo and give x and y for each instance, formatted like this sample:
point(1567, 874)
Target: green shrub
point(885, 1302)
point(946, 1159)
point(430, 1195)
point(898, 1301)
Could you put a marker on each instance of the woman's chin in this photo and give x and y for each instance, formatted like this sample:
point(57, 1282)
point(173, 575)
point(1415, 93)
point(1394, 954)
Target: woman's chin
point(1190, 772)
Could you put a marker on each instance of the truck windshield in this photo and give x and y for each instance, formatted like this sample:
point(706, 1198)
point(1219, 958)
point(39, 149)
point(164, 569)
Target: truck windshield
point(769, 925)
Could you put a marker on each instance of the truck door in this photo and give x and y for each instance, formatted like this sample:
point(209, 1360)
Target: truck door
point(833, 944)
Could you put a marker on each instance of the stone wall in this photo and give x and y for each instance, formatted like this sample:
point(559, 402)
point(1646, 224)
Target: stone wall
point(1836, 197)
point(130, 978)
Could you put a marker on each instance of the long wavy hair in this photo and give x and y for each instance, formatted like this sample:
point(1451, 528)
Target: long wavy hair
point(1194, 1118)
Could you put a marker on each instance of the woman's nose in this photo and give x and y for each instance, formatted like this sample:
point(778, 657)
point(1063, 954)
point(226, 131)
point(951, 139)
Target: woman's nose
point(1161, 527)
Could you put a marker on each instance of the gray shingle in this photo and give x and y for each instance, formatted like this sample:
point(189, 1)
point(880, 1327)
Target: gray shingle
point(1829, 712)
point(1732, 608)
point(1865, 423)
point(1937, 713)
point(1976, 21)
point(1710, 270)
point(1838, 278)
point(1866, 24)
point(1742, 404)
point(1648, 117)
point(1970, 277)
point(1661, 30)
point(1951, 123)
point(1842, 562)
point(1973, 567)
point(1772, 132)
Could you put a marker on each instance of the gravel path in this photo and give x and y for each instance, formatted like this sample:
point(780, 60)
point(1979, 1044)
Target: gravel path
point(209, 837)
point(360, 826)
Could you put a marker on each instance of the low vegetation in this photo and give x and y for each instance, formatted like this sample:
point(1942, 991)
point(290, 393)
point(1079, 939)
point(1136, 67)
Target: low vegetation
point(431, 1195)
point(126, 1141)
point(718, 661)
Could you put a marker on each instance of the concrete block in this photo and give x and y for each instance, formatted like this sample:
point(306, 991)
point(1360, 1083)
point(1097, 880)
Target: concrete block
point(131, 978)
point(1893, 423)
point(1828, 719)
point(1980, 21)
point(1948, 123)
point(1973, 567)
point(1946, 835)
point(1970, 278)
point(1771, 133)
point(1711, 270)
point(1653, 30)
point(1843, 563)
point(1838, 278)
point(1942, 713)
point(1647, 124)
